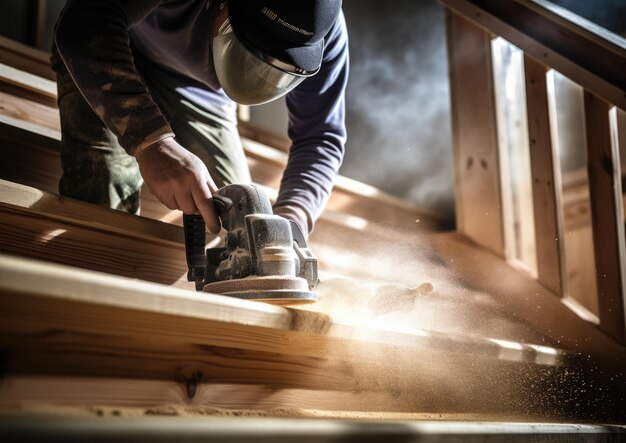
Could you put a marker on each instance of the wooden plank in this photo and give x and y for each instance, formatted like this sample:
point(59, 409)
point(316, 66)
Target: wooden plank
point(25, 58)
point(477, 181)
point(546, 182)
point(530, 300)
point(621, 140)
point(43, 225)
point(68, 296)
point(26, 83)
point(595, 62)
point(514, 156)
point(607, 214)
point(55, 240)
point(112, 337)
point(29, 111)
point(80, 213)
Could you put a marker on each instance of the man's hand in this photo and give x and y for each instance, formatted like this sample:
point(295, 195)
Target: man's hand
point(179, 180)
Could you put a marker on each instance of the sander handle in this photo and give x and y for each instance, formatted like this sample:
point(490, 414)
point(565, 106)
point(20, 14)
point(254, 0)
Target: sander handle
point(194, 229)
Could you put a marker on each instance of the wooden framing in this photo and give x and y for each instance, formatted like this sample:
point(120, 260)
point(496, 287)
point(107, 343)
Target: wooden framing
point(529, 299)
point(42, 225)
point(477, 181)
point(25, 58)
point(552, 37)
point(575, 48)
point(607, 213)
point(546, 181)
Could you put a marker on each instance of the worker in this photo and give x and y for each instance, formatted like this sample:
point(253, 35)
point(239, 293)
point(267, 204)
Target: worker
point(147, 91)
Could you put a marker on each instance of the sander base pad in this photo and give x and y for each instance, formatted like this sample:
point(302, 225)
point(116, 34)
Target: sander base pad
point(279, 290)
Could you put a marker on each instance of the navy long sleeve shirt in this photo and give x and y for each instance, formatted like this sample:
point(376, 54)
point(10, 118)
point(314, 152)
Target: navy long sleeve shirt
point(102, 41)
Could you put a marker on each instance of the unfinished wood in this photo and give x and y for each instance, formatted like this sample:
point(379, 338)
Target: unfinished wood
point(67, 209)
point(546, 183)
point(514, 156)
point(63, 292)
point(25, 84)
point(43, 225)
point(581, 268)
point(621, 141)
point(607, 214)
point(30, 154)
point(164, 397)
point(593, 61)
point(29, 111)
point(120, 335)
point(530, 300)
point(477, 178)
point(46, 226)
point(25, 58)
point(25, 234)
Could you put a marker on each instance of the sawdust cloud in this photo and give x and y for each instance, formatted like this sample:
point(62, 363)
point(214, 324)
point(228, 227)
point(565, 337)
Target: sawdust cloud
point(402, 286)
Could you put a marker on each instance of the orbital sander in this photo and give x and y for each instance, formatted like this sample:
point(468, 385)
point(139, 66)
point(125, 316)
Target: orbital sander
point(265, 257)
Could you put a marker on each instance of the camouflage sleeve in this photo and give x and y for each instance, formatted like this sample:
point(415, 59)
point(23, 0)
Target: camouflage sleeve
point(92, 38)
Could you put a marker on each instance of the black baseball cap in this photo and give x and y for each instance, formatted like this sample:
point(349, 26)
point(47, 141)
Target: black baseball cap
point(291, 31)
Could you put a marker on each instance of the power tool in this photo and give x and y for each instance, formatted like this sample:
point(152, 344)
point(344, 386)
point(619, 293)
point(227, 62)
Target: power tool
point(265, 257)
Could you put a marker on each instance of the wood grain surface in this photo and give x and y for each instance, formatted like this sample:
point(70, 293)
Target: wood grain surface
point(477, 178)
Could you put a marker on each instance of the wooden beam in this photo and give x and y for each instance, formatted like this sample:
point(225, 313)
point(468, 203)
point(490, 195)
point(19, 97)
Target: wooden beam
point(607, 214)
point(530, 300)
point(44, 90)
point(45, 204)
point(43, 225)
point(118, 341)
point(477, 188)
point(29, 111)
point(546, 182)
point(25, 58)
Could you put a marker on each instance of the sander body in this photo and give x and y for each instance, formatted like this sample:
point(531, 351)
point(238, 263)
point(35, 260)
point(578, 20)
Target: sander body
point(265, 257)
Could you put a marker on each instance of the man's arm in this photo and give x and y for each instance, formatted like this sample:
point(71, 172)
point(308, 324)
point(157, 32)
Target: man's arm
point(93, 41)
point(92, 38)
point(318, 134)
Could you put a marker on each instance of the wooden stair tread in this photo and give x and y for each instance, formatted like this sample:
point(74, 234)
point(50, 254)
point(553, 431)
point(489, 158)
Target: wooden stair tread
point(154, 332)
